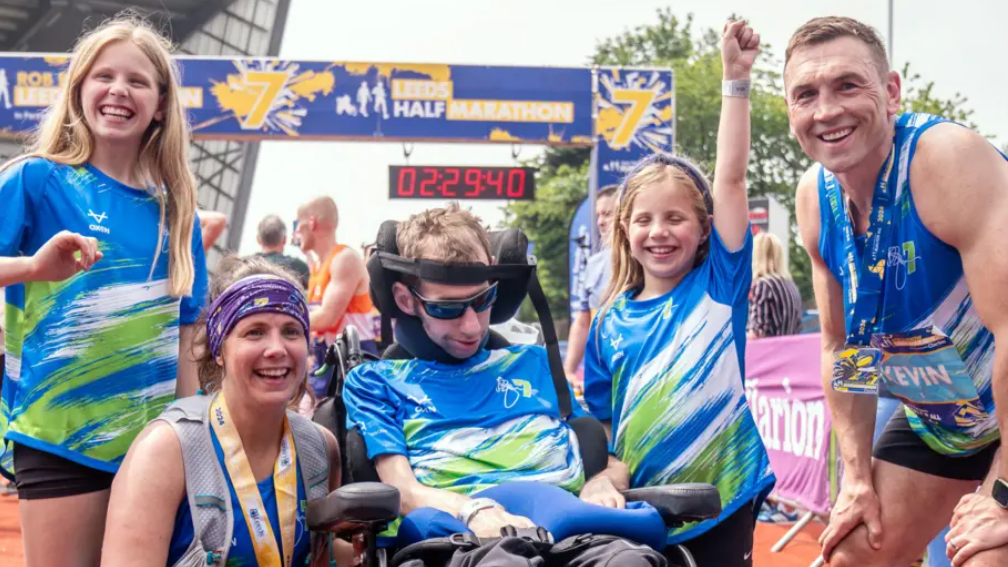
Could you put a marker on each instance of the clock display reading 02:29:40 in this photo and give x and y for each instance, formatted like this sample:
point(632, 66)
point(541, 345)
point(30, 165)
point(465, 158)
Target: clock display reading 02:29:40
point(463, 182)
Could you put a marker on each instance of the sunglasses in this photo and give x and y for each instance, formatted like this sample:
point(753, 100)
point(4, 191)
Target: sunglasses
point(447, 309)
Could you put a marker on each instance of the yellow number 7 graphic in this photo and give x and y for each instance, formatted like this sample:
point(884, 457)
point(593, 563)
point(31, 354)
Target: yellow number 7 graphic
point(270, 84)
point(639, 101)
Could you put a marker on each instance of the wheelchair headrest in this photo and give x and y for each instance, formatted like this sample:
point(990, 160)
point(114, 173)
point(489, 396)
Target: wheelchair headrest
point(512, 269)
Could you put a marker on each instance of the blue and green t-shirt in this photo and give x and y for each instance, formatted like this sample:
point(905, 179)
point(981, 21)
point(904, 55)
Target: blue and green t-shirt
point(668, 372)
point(470, 426)
point(91, 359)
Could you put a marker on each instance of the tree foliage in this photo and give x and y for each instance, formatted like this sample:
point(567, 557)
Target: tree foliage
point(776, 160)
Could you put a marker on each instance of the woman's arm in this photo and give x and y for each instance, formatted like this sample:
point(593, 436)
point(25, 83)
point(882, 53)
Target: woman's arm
point(739, 47)
point(146, 495)
point(212, 225)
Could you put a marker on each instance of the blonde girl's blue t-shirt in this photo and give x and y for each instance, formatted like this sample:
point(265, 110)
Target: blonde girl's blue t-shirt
point(91, 359)
point(669, 373)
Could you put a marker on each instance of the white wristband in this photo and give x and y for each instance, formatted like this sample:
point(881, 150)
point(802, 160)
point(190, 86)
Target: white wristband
point(739, 88)
point(469, 509)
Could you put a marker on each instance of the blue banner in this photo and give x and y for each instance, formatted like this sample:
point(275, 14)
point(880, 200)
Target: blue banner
point(278, 99)
point(635, 118)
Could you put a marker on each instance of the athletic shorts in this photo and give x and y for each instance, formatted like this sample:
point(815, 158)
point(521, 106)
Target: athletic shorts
point(39, 475)
point(900, 446)
point(728, 544)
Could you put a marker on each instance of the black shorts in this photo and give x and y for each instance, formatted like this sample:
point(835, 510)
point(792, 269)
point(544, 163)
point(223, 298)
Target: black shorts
point(899, 445)
point(39, 475)
point(728, 544)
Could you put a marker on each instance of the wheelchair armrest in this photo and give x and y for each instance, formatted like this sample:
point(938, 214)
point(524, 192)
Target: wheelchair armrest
point(361, 502)
point(679, 503)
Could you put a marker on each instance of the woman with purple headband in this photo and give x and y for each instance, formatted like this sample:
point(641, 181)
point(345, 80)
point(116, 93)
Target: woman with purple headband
point(223, 478)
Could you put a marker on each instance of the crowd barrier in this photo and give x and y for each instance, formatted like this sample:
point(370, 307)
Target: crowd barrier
point(785, 393)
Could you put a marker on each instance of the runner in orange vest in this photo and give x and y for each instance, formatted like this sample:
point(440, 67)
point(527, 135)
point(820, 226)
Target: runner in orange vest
point(338, 286)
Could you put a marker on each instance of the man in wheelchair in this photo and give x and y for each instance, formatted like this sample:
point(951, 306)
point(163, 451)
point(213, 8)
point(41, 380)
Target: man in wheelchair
point(474, 433)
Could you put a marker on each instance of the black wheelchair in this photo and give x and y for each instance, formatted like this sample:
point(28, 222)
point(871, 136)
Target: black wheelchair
point(363, 507)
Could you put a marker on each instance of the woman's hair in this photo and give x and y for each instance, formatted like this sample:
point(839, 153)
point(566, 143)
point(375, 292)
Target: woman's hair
point(63, 137)
point(230, 270)
point(768, 256)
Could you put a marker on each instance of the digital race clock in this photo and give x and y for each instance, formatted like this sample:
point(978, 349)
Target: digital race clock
point(465, 182)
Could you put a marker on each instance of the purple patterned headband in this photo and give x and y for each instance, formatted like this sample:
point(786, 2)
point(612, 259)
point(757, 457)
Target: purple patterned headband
point(247, 296)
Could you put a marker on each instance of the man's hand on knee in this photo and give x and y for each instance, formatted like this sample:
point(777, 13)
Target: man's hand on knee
point(989, 558)
point(857, 504)
point(978, 525)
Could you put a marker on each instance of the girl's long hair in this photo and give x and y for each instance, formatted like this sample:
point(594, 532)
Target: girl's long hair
point(64, 137)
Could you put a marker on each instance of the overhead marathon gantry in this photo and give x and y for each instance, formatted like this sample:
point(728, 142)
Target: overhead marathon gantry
point(622, 114)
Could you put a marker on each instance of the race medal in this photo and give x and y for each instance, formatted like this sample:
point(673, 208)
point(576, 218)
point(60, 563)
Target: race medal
point(924, 370)
point(856, 370)
point(265, 544)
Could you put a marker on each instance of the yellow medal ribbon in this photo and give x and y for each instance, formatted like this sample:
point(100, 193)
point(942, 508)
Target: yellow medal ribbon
point(284, 482)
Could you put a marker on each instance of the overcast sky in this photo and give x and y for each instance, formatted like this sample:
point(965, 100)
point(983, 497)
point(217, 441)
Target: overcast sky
point(961, 46)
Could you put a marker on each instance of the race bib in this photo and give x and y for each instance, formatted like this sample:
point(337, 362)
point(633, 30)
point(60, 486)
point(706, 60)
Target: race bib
point(924, 370)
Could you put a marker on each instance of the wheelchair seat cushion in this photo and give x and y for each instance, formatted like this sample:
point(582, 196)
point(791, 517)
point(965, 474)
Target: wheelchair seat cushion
point(555, 509)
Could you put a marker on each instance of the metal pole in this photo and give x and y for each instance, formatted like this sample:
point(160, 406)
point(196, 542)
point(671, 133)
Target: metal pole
point(804, 521)
point(593, 181)
point(890, 39)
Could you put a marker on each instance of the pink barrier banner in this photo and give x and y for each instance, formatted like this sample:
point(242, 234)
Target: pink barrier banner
point(785, 394)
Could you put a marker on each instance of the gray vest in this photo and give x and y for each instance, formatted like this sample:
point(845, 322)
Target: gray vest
point(207, 488)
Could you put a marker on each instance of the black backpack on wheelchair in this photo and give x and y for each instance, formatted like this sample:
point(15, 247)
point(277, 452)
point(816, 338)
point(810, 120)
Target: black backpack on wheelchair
point(364, 506)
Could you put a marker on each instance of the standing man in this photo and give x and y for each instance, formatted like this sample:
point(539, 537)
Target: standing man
point(903, 218)
point(272, 238)
point(338, 287)
point(599, 270)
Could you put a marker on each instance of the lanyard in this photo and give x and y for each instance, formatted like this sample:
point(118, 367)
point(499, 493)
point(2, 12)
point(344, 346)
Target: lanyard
point(865, 290)
point(284, 482)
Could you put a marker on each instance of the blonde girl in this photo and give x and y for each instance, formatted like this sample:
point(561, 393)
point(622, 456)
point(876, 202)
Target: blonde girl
point(665, 357)
point(101, 253)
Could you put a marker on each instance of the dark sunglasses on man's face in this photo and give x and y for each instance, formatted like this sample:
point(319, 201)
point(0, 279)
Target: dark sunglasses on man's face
point(454, 308)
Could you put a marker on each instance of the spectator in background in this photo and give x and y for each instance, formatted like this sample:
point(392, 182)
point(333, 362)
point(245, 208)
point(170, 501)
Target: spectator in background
point(774, 299)
point(338, 286)
point(599, 271)
point(212, 224)
point(272, 237)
